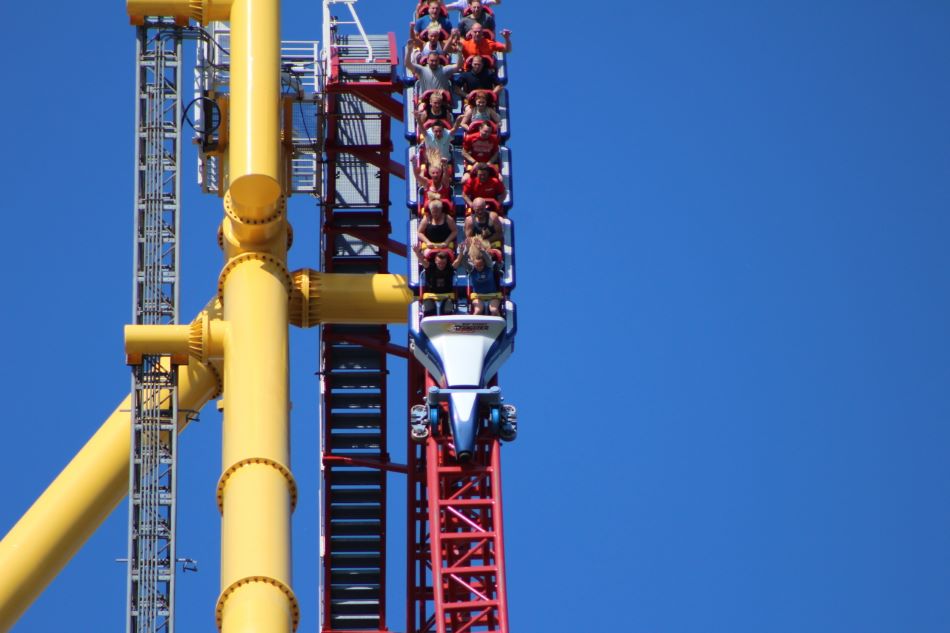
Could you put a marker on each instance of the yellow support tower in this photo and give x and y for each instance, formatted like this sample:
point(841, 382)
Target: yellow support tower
point(239, 345)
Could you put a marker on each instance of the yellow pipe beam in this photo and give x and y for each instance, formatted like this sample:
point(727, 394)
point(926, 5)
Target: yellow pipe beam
point(348, 298)
point(202, 11)
point(254, 150)
point(90, 487)
point(256, 490)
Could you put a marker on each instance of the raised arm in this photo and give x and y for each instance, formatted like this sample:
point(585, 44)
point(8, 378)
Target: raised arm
point(411, 66)
point(506, 33)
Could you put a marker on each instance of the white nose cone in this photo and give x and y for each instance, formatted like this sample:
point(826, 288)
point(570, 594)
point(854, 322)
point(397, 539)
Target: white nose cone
point(462, 343)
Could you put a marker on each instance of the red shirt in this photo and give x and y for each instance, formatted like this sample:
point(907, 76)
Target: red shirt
point(491, 188)
point(481, 149)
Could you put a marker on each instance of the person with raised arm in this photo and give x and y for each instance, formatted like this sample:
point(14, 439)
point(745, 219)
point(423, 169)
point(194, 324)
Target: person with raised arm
point(438, 288)
point(478, 42)
point(482, 278)
point(435, 14)
point(473, 13)
point(435, 75)
point(437, 184)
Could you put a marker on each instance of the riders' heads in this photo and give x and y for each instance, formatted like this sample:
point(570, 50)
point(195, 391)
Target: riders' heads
point(436, 209)
point(483, 171)
point(477, 31)
point(433, 60)
point(481, 100)
point(479, 207)
point(476, 7)
point(441, 260)
point(434, 9)
point(484, 130)
point(435, 172)
point(436, 97)
point(477, 63)
point(438, 128)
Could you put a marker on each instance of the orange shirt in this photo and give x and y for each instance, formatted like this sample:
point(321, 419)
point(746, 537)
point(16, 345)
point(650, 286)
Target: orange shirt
point(483, 47)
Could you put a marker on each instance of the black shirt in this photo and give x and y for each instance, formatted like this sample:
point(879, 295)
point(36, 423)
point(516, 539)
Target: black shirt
point(485, 80)
point(439, 281)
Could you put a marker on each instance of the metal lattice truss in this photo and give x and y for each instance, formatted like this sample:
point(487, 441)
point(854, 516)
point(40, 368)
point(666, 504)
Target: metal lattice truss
point(152, 463)
point(461, 549)
point(302, 94)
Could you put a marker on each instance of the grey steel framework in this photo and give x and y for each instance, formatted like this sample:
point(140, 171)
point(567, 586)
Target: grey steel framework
point(301, 82)
point(152, 463)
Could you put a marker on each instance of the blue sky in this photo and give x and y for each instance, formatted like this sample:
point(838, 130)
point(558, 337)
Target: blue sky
point(733, 280)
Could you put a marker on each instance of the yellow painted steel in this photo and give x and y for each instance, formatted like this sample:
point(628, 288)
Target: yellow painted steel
point(256, 489)
point(348, 298)
point(80, 498)
point(254, 149)
point(157, 339)
point(202, 11)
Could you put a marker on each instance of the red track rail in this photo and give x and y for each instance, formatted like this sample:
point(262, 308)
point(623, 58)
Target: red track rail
point(457, 554)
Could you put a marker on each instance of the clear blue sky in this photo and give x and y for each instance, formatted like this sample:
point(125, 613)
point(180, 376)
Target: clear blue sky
point(732, 363)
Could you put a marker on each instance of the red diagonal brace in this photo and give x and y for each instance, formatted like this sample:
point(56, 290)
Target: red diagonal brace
point(372, 154)
point(368, 342)
point(374, 93)
point(370, 237)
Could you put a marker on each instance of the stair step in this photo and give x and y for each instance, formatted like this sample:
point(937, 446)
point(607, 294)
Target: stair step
point(345, 476)
point(340, 545)
point(356, 440)
point(355, 357)
point(355, 495)
point(356, 401)
point(355, 561)
point(340, 577)
point(355, 380)
point(354, 622)
point(355, 528)
point(353, 511)
point(354, 607)
point(343, 421)
point(355, 592)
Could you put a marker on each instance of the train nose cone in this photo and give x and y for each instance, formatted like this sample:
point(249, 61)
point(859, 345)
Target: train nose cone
point(464, 423)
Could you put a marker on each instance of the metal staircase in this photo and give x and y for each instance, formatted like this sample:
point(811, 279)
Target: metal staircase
point(153, 452)
point(356, 228)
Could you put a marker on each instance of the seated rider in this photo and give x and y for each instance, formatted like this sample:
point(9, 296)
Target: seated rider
point(475, 13)
point(478, 77)
point(435, 75)
point(436, 230)
point(480, 108)
point(433, 106)
point(433, 40)
point(478, 42)
point(437, 143)
point(484, 224)
point(484, 184)
point(438, 288)
point(435, 14)
point(480, 146)
point(437, 184)
point(482, 279)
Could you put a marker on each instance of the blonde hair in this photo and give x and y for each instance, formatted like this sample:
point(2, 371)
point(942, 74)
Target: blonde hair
point(478, 248)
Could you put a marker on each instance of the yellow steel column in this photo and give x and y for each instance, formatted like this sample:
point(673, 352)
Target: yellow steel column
point(80, 499)
point(256, 491)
